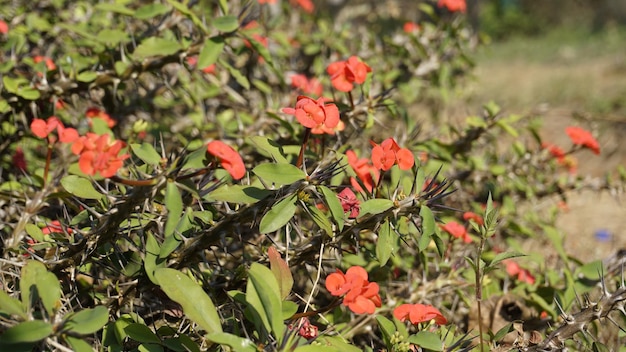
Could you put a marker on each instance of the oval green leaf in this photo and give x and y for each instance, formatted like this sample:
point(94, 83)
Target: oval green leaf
point(278, 215)
point(427, 340)
point(28, 331)
point(87, 321)
point(263, 294)
point(146, 153)
point(211, 50)
point(334, 205)
point(80, 187)
point(375, 206)
point(279, 174)
point(226, 23)
point(195, 302)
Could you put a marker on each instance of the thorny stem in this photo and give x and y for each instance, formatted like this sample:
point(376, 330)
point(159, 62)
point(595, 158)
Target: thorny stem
point(305, 140)
point(479, 290)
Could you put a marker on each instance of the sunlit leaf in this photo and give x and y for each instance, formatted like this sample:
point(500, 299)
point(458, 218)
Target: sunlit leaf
point(195, 302)
point(278, 215)
point(87, 321)
point(174, 205)
point(263, 294)
point(281, 272)
point(80, 187)
point(11, 306)
point(146, 153)
point(238, 344)
point(427, 340)
point(386, 243)
point(141, 333)
point(334, 205)
point(211, 50)
point(28, 331)
point(375, 206)
point(226, 23)
point(279, 174)
point(155, 46)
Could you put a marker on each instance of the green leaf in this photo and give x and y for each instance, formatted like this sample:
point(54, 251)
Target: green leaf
point(195, 302)
point(268, 148)
point(226, 23)
point(141, 333)
point(115, 7)
point(504, 256)
point(281, 272)
point(87, 76)
point(502, 332)
point(146, 153)
point(28, 331)
point(155, 46)
point(375, 206)
point(87, 321)
point(151, 10)
point(508, 128)
point(11, 306)
point(320, 219)
point(112, 37)
point(38, 282)
point(29, 93)
point(278, 215)
point(35, 232)
point(80, 187)
point(334, 205)
point(427, 340)
point(239, 194)
point(238, 344)
point(152, 260)
point(260, 48)
point(387, 327)
point(428, 221)
point(279, 174)
point(263, 294)
point(289, 309)
point(174, 205)
point(236, 74)
point(77, 344)
point(385, 244)
point(49, 290)
point(211, 51)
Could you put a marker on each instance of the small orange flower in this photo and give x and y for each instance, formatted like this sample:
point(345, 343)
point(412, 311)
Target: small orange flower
point(364, 170)
point(193, 60)
point(56, 227)
point(580, 136)
point(306, 5)
point(514, 269)
point(388, 153)
point(457, 230)
point(453, 5)
point(314, 114)
point(98, 154)
point(95, 113)
point(44, 128)
point(468, 215)
point(307, 86)
point(343, 74)
point(4, 27)
point(229, 158)
point(410, 27)
point(419, 313)
point(554, 150)
point(361, 296)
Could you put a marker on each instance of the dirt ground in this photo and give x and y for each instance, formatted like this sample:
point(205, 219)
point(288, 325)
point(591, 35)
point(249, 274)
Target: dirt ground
point(571, 89)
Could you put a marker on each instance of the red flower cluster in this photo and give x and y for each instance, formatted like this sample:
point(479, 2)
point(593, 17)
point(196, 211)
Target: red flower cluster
point(56, 227)
point(44, 128)
point(580, 136)
point(349, 202)
point(95, 113)
point(388, 153)
point(419, 313)
point(229, 158)
point(99, 154)
point(453, 5)
point(523, 275)
point(361, 296)
point(456, 230)
point(310, 86)
point(411, 27)
point(4, 27)
point(343, 74)
point(364, 170)
point(193, 60)
point(48, 61)
point(318, 115)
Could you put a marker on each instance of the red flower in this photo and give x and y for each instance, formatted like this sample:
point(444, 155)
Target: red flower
point(95, 113)
point(456, 230)
point(56, 227)
point(361, 296)
point(48, 61)
point(307, 330)
point(343, 74)
point(307, 5)
point(98, 154)
point(349, 202)
point(388, 153)
point(410, 27)
point(364, 170)
point(4, 27)
point(267, 2)
point(468, 215)
point(19, 162)
point(229, 158)
point(314, 114)
point(419, 313)
point(580, 136)
point(453, 5)
point(307, 86)
point(513, 269)
point(44, 128)
point(554, 150)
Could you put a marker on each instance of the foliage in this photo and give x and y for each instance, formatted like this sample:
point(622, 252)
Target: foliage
point(212, 169)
